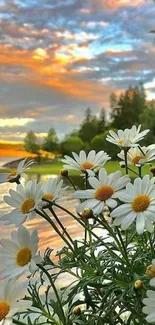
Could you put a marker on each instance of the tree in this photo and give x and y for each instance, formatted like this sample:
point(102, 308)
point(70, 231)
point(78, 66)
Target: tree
point(101, 122)
point(51, 143)
point(147, 120)
point(128, 108)
point(71, 144)
point(30, 143)
point(89, 127)
point(113, 101)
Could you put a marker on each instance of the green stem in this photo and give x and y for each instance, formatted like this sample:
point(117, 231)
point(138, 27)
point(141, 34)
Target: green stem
point(70, 180)
point(68, 271)
point(128, 241)
point(86, 186)
point(123, 245)
point(90, 236)
point(15, 321)
point(140, 171)
point(61, 225)
point(54, 289)
point(126, 160)
point(111, 232)
point(133, 171)
point(47, 218)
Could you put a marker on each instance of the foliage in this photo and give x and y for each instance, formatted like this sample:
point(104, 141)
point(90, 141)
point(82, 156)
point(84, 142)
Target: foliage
point(148, 121)
point(30, 143)
point(50, 143)
point(127, 110)
point(89, 127)
point(72, 143)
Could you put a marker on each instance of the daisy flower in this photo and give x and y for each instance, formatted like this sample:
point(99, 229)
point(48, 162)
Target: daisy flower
point(15, 175)
point(10, 294)
point(86, 163)
point(106, 189)
point(52, 189)
point(25, 200)
point(18, 254)
point(138, 157)
point(139, 199)
point(149, 308)
point(127, 138)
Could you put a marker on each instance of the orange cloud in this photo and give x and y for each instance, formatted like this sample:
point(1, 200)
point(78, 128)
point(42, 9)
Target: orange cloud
point(115, 4)
point(53, 73)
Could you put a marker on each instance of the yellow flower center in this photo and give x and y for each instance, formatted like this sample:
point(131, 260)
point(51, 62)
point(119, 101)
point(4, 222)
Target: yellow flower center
point(24, 256)
point(27, 205)
point(48, 196)
point(12, 174)
point(121, 142)
point(4, 310)
point(87, 165)
point(140, 203)
point(104, 192)
point(136, 159)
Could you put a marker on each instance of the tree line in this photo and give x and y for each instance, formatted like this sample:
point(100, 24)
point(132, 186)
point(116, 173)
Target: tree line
point(130, 108)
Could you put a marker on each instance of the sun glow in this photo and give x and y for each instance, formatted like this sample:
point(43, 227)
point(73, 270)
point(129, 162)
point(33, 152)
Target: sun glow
point(15, 121)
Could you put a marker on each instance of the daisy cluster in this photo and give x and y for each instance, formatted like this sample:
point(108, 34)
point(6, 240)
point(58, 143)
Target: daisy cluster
point(19, 255)
point(128, 203)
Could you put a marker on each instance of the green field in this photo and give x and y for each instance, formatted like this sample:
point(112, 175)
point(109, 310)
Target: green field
point(55, 167)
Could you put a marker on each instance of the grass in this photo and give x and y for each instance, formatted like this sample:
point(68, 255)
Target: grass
point(55, 167)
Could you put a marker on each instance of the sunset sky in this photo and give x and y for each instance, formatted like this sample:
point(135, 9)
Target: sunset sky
point(59, 57)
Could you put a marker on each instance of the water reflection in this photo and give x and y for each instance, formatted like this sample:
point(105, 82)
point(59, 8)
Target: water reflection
point(47, 236)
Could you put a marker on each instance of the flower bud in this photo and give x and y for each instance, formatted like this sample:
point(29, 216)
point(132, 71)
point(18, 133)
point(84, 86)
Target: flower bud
point(64, 172)
point(150, 271)
point(96, 272)
point(77, 310)
point(87, 213)
point(152, 170)
point(138, 284)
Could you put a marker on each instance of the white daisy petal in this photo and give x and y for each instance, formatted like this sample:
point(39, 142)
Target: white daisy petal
point(98, 208)
point(18, 255)
point(140, 223)
point(149, 225)
point(111, 203)
point(151, 318)
point(121, 210)
point(102, 176)
point(128, 220)
point(87, 204)
point(84, 194)
point(152, 282)
point(93, 181)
